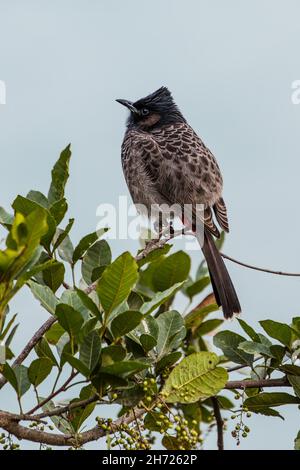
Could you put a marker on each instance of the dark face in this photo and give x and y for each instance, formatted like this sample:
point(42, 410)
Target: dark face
point(153, 110)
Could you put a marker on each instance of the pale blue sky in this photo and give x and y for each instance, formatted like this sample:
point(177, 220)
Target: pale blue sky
point(230, 66)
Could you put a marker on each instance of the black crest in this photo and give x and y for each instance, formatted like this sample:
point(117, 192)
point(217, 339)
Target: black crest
point(154, 110)
point(159, 99)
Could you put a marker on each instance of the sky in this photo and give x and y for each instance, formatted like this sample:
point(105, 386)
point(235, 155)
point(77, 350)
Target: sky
point(231, 67)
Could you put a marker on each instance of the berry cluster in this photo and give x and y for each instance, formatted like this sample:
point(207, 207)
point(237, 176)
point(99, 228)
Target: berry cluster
point(150, 389)
point(41, 427)
point(187, 434)
point(125, 436)
point(240, 430)
point(7, 442)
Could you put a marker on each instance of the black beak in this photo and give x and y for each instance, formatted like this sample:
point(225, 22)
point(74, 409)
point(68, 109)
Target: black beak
point(128, 105)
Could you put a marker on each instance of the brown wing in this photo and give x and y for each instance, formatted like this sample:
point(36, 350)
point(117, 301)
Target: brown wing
point(221, 214)
point(189, 173)
point(172, 165)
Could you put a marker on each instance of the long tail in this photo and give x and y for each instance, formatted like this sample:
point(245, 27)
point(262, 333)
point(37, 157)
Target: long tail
point(224, 290)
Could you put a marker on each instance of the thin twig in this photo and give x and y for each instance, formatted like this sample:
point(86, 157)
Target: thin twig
point(30, 345)
point(64, 409)
point(219, 421)
point(242, 366)
point(256, 268)
point(52, 395)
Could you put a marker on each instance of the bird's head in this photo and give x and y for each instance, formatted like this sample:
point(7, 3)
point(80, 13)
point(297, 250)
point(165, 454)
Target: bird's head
point(154, 110)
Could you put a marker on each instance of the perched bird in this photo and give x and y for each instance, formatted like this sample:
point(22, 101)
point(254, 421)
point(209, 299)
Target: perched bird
point(165, 162)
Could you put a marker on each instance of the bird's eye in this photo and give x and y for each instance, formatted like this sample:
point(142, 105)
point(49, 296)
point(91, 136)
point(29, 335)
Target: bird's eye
point(145, 111)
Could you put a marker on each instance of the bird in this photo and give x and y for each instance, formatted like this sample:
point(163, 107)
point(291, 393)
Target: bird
point(165, 162)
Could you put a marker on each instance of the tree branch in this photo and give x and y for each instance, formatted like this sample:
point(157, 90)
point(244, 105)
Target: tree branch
point(242, 384)
point(30, 345)
point(219, 421)
point(21, 432)
point(10, 422)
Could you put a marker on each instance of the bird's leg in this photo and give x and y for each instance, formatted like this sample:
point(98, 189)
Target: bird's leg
point(161, 225)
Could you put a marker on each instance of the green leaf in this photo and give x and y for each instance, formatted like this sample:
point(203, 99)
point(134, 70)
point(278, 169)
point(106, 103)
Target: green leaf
point(6, 327)
point(225, 403)
point(135, 301)
point(63, 346)
point(159, 298)
point(263, 400)
point(43, 349)
point(63, 242)
point(84, 245)
point(9, 374)
point(195, 377)
point(58, 210)
point(124, 368)
point(116, 282)
point(208, 326)
point(295, 383)
point(39, 370)
point(54, 275)
point(6, 219)
point(125, 322)
point(290, 369)
point(77, 364)
point(171, 270)
point(90, 325)
point(80, 414)
point(44, 295)
point(22, 245)
point(229, 343)
point(148, 342)
point(60, 174)
point(71, 297)
point(33, 272)
point(21, 373)
point(255, 348)
point(89, 303)
point(168, 360)
point(147, 327)
point(278, 352)
point(69, 318)
point(197, 286)
point(279, 331)
point(194, 318)
point(154, 255)
point(150, 422)
point(65, 248)
point(171, 332)
point(98, 255)
point(54, 334)
point(112, 353)
point(39, 213)
point(39, 198)
point(171, 442)
point(90, 350)
point(249, 330)
point(61, 423)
